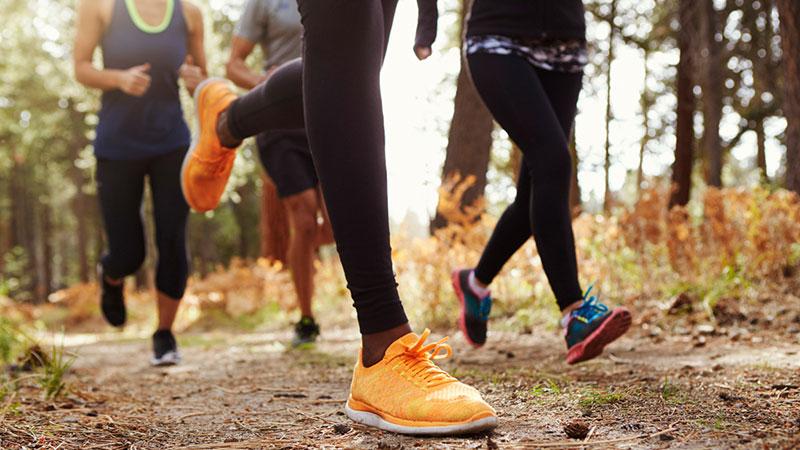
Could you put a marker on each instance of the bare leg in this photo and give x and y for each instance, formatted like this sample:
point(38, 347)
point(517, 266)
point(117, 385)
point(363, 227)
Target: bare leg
point(167, 310)
point(302, 209)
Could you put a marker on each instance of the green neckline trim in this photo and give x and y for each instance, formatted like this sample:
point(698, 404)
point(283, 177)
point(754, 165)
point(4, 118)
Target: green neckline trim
point(144, 26)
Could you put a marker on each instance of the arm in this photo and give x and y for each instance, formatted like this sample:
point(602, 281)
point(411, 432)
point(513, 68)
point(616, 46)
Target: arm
point(237, 70)
point(196, 57)
point(90, 28)
point(426, 28)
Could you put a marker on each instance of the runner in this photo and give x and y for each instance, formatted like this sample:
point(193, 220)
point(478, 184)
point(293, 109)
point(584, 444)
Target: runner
point(275, 26)
point(396, 384)
point(141, 133)
point(526, 60)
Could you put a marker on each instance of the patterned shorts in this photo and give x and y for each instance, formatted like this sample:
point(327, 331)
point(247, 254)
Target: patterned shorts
point(568, 56)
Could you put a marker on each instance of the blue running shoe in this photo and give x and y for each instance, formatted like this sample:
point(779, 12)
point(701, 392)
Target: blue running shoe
point(592, 326)
point(474, 310)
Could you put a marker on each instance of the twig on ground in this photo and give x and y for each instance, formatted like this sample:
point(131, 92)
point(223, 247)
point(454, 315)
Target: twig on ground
point(565, 444)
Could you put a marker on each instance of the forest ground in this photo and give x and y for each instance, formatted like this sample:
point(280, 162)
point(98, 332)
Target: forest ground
point(695, 388)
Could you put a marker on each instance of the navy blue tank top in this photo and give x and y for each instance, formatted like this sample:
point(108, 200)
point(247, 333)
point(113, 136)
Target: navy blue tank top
point(140, 127)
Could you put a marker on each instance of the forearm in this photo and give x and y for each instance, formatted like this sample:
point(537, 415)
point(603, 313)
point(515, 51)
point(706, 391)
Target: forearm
point(103, 79)
point(241, 75)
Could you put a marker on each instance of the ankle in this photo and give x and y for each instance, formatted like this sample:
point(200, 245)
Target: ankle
point(113, 282)
point(224, 132)
point(566, 312)
point(373, 346)
point(477, 286)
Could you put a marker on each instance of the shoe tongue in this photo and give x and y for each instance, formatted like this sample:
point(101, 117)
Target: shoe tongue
point(400, 345)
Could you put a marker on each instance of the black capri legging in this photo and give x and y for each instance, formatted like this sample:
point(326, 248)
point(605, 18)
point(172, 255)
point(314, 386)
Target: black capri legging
point(120, 186)
point(335, 94)
point(537, 109)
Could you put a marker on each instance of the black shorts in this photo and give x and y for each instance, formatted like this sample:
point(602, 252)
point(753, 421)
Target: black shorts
point(287, 160)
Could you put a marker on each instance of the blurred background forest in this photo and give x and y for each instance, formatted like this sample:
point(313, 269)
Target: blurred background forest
point(716, 105)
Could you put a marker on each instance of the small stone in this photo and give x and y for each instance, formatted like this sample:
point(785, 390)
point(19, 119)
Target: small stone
point(91, 413)
point(576, 429)
point(341, 428)
point(706, 329)
point(680, 303)
point(69, 419)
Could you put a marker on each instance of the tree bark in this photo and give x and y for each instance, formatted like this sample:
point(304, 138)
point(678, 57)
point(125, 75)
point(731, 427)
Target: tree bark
point(645, 104)
point(684, 133)
point(712, 92)
point(575, 187)
point(470, 140)
point(607, 200)
point(761, 155)
point(789, 11)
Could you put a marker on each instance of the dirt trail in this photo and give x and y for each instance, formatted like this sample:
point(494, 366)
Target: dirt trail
point(249, 391)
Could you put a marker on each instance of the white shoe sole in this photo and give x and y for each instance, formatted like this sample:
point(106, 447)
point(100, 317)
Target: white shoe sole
point(168, 359)
point(198, 131)
point(374, 420)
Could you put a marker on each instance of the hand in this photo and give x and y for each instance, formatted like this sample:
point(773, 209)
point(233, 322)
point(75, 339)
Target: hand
point(191, 74)
point(422, 52)
point(135, 81)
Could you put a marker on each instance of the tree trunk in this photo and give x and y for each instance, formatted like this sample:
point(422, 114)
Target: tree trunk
point(607, 200)
point(684, 133)
point(274, 223)
point(712, 92)
point(645, 105)
point(790, 41)
point(470, 140)
point(761, 155)
point(46, 239)
point(575, 188)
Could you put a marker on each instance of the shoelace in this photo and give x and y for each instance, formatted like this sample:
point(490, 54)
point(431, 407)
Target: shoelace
point(419, 360)
point(591, 307)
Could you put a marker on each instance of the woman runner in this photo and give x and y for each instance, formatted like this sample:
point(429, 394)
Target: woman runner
point(335, 95)
point(526, 59)
point(141, 133)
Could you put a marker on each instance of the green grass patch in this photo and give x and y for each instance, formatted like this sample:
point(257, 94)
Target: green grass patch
point(591, 398)
point(671, 393)
point(545, 388)
point(54, 367)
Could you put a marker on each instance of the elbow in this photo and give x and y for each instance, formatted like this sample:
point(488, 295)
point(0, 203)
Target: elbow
point(230, 70)
point(79, 72)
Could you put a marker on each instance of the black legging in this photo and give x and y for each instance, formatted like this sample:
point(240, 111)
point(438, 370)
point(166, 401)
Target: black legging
point(120, 186)
point(337, 91)
point(536, 108)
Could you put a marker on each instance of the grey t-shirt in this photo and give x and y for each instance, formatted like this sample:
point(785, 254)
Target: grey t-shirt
point(275, 26)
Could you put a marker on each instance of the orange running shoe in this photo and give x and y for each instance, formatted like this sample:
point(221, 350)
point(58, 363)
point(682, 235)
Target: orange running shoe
point(207, 166)
point(407, 393)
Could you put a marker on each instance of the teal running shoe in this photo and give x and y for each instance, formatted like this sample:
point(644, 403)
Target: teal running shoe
point(592, 326)
point(474, 310)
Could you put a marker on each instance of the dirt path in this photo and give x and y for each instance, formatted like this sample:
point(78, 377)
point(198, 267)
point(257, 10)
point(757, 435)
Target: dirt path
point(248, 391)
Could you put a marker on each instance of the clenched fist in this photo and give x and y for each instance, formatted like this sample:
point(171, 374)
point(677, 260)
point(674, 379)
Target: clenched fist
point(135, 81)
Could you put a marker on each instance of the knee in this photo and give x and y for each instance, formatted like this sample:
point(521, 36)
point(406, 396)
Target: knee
point(304, 223)
point(131, 260)
point(552, 163)
point(302, 210)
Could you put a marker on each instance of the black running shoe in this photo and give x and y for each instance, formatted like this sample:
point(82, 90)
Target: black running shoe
point(112, 300)
point(165, 349)
point(305, 332)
